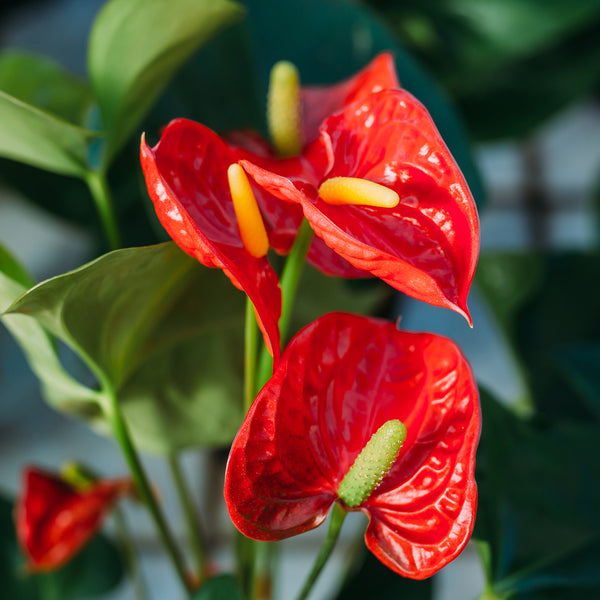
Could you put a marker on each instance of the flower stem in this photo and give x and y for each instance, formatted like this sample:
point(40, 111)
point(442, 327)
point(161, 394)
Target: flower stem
point(115, 419)
point(128, 552)
point(193, 525)
point(338, 514)
point(290, 278)
point(98, 186)
point(250, 350)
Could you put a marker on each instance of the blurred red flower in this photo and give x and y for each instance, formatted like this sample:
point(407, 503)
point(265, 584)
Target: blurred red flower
point(54, 520)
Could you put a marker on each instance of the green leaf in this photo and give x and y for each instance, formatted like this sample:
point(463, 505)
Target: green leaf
point(374, 580)
point(38, 138)
point(218, 86)
point(522, 95)
point(565, 593)
point(11, 268)
point(319, 294)
point(59, 388)
point(96, 570)
point(507, 280)
point(135, 48)
point(539, 489)
point(569, 568)
point(509, 64)
point(163, 331)
point(580, 364)
point(40, 82)
point(562, 312)
point(221, 587)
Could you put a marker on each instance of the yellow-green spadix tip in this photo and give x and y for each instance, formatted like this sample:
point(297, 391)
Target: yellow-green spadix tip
point(373, 463)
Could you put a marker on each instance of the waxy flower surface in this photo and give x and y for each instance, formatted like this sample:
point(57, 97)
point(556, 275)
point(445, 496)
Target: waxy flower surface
point(54, 520)
point(427, 244)
point(186, 176)
point(340, 380)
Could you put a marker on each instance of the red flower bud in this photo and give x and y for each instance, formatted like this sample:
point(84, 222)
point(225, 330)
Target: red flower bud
point(54, 520)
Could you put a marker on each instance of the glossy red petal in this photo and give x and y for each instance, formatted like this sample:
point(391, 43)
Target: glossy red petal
point(428, 245)
point(186, 176)
point(339, 380)
point(54, 521)
point(423, 512)
point(319, 102)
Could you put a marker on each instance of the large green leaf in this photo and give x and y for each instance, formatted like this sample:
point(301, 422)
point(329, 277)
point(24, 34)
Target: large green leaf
point(581, 365)
point(539, 487)
point(135, 48)
point(522, 95)
point(41, 82)
point(38, 138)
point(59, 388)
point(96, 570)
point(545, 304)
point(165, 332)
point(507, 280)
point(509, 64)
point(220, 587)
point(562, 312)
point(218, 86)
point(569, 568)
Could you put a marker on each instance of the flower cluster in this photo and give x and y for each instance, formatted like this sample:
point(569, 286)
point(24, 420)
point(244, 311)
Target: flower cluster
point(358, 415)
point(55, 518)
point(384, 197)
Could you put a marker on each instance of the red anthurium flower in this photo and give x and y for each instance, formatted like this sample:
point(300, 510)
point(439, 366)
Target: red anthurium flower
point(316, 104)
point(340, 380)
point(186, 175)
point(54, 520)
point(426, 243)
point(187, 178)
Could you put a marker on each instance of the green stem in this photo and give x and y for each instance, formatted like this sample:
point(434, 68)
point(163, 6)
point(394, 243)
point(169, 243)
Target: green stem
point(250, 349)
point(246, 561)
point(248, 551)
point(98, 186)
point(263, 579)
point(114, 417)
point(338, 514)
point(246, 548)
point(194, 527)
point(129, 554)
point(290, 278)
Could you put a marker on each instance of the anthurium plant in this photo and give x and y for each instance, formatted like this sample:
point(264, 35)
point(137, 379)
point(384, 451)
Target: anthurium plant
point(245, 302)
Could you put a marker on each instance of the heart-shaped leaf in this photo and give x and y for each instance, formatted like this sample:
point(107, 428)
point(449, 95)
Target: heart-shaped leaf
point(38, 138)
point(163, 330)
point(42, 83)
point(137, 46)
point(59, 388)
point(539, 489)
